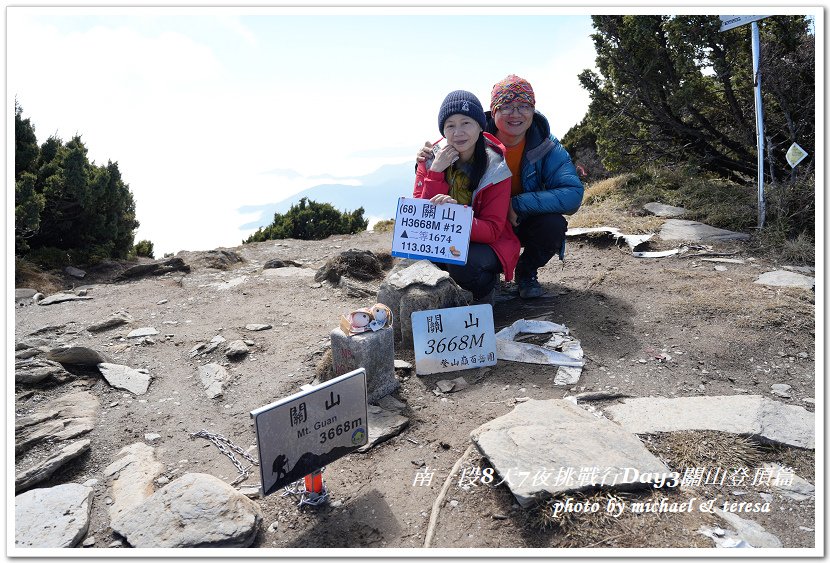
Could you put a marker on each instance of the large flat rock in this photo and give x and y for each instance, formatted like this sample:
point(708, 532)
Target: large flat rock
point(556, 438)
point(383, 424)
point(52, 517)
point(663, 210)
point(421, 272)
point(66, 417)
point(61, 297)
point(213, 377)
point(749, 415)
point(130, 477)
point(783, 278)
point(681, 229)
point(196, 510)
point(125, 377)
point(46, 468)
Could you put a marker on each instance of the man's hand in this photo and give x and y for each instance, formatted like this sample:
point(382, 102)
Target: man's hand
point(511, 215)
point(425, 152)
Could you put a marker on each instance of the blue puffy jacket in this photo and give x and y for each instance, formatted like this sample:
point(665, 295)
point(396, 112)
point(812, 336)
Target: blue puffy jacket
point(549, 178)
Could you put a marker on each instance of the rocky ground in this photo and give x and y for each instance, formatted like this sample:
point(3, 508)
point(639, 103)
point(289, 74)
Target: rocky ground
point(674, 327)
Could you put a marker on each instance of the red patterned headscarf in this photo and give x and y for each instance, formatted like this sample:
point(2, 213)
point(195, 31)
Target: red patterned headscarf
point(510, 89)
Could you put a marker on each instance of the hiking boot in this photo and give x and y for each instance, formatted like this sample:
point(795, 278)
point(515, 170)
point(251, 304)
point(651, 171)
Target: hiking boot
point(529, 287)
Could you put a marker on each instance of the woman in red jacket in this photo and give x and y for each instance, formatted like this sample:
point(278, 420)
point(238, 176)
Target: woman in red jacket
point(471, 170)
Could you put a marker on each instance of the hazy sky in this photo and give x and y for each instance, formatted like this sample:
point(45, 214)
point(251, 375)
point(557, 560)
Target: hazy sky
point(199, 107)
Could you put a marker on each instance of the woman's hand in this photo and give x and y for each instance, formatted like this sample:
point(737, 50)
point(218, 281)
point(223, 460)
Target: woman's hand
point(425, 152)
point(445, 157)
point(441, 198)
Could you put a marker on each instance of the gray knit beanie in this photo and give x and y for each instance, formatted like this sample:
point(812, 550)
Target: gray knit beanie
point(463, 102)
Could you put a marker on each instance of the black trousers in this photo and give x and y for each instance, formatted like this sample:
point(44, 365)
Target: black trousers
point(542, 237)
point(481, 272)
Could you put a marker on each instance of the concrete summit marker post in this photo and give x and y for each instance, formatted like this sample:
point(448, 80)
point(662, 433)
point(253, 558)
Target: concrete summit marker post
point(299, 434)
point(439, 233)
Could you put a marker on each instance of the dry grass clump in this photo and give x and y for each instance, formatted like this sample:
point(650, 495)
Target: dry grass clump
point(801, 460)
point(544, 515)
point(384, 226)
point(794, 316)
point(324, 369)
point(629, 529)
point(705, 448)
point(606, 205)
point(748, 306)
point(614, 212)
point(28, 275)
point(598, 191)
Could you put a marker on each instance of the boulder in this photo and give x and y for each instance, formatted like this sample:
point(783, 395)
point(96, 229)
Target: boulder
point(154, 269)
point(196, 510)
point(236, 349)
point(220, 259)
point(24, 296)
point(75, 272)
point(34, 371)
point(275, 263)
point(361, 265)
point(418, 286)
point(76, 355)
point(750, 531)
point(52, 517)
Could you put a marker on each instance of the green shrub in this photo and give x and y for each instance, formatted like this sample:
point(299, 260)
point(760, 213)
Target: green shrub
point(309, 220)
point(144, 248)
point(49, 258)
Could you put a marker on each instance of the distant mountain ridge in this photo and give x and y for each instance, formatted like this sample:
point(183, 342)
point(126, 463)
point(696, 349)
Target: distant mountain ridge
point(378, 195)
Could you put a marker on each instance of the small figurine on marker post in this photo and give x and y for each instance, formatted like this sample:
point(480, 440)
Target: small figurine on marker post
point(374, 318)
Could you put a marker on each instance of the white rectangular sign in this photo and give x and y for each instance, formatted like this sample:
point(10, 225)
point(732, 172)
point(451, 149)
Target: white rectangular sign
point(731, 22)
point(453, 339)
point(440, 233)
point(301, 433)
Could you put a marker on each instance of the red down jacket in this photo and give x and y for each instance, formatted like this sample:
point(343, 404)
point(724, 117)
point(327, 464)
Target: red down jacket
point(490, 202)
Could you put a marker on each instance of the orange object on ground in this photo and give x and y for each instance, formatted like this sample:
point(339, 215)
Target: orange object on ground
point(314, 482)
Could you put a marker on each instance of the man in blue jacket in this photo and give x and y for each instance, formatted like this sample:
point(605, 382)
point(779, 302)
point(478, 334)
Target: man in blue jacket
point(545, 184)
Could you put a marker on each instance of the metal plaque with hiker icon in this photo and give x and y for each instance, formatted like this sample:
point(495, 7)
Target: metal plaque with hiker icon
point(310, 429)
point(439, 233)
